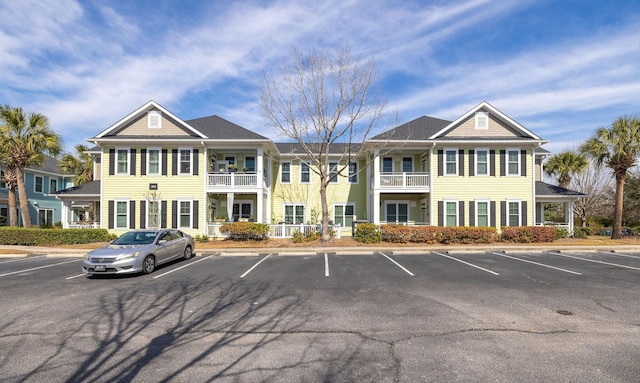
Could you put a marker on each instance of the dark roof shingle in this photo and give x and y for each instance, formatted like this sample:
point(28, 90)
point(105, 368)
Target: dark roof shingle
point(215, 127)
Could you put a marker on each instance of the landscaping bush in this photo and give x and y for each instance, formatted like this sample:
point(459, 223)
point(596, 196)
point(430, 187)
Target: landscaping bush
point(438, 234)
point(246, 231)
point(580, 232)
point(529, 234)
point(396, 233)
point(47, 237)
point(298, 237)
point(367, 233)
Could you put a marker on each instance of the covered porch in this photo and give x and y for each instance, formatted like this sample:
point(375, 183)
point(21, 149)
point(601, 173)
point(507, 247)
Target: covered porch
point(80, 206)
point(550, 195)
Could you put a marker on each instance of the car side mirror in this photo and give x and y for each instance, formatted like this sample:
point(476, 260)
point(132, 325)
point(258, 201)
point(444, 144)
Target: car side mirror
point(162, 242)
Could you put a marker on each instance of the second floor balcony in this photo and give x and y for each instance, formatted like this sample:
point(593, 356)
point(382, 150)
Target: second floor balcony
point(231, 180)
point(406, 181)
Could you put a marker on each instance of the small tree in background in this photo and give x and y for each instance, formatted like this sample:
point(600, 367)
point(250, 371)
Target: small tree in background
point(564, 165)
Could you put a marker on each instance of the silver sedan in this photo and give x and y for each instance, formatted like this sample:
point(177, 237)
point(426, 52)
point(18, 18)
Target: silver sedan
point(139, 251)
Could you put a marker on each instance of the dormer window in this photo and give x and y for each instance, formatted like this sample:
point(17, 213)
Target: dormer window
point(154, 119)
point(482, 120)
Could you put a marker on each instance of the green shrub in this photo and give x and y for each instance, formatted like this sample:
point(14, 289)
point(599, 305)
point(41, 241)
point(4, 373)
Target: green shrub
point(529, 234)
point(299, 237)
point(246, 231)
point(201, 238)
point(47, 237)
point(561, 232)
point(367, 233)
point(580, 232)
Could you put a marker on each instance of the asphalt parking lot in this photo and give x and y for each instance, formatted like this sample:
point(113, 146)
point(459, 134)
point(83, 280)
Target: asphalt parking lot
point(397, 316)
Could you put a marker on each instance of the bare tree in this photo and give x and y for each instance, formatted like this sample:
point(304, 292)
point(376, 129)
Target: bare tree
point(327, 105)
point(595, 183)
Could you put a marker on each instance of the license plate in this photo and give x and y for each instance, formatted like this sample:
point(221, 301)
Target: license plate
point(100, 268)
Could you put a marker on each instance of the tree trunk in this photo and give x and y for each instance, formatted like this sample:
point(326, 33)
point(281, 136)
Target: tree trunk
point(11, 201)
point(24, 200)
point(326, 233)
point(617, 214)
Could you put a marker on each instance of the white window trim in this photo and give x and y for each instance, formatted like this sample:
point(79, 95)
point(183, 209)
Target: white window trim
point(479, 116)
point(519, 202)
point(488, 202)
point(35, 183)
point(336, 180)
point(146, 213)
point(476, 162)
point(159, 149)
point(344, 205)
point(310, 172)
point(506, 159)
point(282, 172)
point(231, 159)
point(393, 164)
point(244, 202)
point(180, 201)
point(294, 204)
point(115, 214)
point(356, 174)
point(444, 213)
point(46, 210)
point(127, 172)
point(444, 158)
point(407, 202)
point(52, 180)
point(402, 164)
point(149, 116)
point(180, 150)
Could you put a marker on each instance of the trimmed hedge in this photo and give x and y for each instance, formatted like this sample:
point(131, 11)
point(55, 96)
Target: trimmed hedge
point(438, 234)
point(47, 237)
point(529, 234)
point(367, 233)
point(246, 231)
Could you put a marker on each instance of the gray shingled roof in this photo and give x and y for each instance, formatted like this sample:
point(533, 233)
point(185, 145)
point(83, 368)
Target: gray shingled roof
point(215, 127)
point(296, 148)
point(545, 189)
point(419, 129)
point(90, 188)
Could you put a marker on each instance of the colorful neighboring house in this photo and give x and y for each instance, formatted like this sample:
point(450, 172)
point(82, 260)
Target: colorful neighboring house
point(154, 169)
point(41, 183)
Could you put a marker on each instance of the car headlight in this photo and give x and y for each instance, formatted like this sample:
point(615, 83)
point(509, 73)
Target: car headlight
point(86, 256)
point(127, 256)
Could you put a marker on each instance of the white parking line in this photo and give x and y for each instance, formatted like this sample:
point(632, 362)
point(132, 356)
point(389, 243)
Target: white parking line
point(397, 264)
point(326, 265)
point(594, 261)
point(620, 255)
point(76, 276)
point(466, 263)
point(535, 263)
point(254, 266)
point(182, 267)
point(38, 268)
point(22, 259)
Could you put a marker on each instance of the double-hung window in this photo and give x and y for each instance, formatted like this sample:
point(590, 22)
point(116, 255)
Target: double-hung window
point(451, 213)
point(122, 161)
point(482, 213)
point(122, 214)
point(513, 213)
point(305, 173)
point(451, 162)
point(333, 172)
point(387, 165)
point(343, 214)
point(294, 213)
point(153, 161)
point(285, 172)
point(184, 160)
point(184, 214)
point(53, 185)
point(407, 164)
point(482, 162)
point(39, 184)
point(45, 217)
point(250, 164)
point(353, 172)
point(513, 162)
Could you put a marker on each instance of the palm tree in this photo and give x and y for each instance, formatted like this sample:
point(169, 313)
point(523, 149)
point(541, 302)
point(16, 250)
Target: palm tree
point(81, 165)
point(564, 165)
point(25, 140)
point(618, 148)
point(12, 186)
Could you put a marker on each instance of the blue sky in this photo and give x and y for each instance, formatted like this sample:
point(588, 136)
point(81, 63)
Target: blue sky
point(561, 68)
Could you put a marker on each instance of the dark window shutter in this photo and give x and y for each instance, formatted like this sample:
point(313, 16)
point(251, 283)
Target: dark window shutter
point(143, 162)
point(503, 213)
point(195, 162)
point(132, 214)
point(503, 163)
point(461, 213)
point(523, 163)
point(472, 163)
point(523, 206)
point(163, 214)
point(194, 213)
point(174, 214)
point(440, 213)
point(174, 162)
point(461, 162)
point(143, 214)
point(472, 213)
point(111, 211)
point(492, 163)
point(440, 163)
point(164, 161)
point(492, 217)
point(112, 162)
point(132, 170)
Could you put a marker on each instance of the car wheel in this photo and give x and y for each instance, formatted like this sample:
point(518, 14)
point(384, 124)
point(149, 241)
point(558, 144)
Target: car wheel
point(188, 252)
point(149, 264)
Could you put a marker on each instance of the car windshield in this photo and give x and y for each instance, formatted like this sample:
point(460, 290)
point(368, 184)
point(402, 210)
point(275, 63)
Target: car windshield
point(136, 238)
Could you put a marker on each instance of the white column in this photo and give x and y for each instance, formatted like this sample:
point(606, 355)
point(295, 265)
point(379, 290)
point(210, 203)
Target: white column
point(65, 214)
point(376, 207)
point(260, 165)
point(376, 168)
point(569, 214)
point(259, 207)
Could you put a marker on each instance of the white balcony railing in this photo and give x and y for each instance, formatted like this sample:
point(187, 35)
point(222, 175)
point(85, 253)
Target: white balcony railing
point(232, 180)
point(83, 225)
point(280, 230)
point(404, 180)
